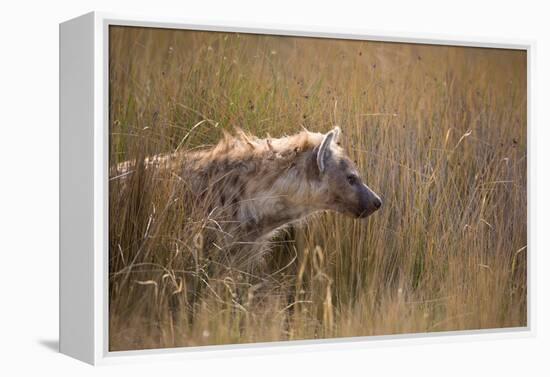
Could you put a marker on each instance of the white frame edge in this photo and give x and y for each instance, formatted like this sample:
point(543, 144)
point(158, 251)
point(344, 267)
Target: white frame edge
point(84, 118)
point(76, 190)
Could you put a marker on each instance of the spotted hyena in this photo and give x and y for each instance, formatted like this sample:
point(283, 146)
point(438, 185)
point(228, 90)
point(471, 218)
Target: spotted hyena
point(254, 187)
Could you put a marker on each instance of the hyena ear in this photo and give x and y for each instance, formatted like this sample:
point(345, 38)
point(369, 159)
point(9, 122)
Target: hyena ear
point(337, 131)
point(324, 148)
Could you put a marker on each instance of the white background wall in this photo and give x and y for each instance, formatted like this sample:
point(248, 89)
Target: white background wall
point(29, 184)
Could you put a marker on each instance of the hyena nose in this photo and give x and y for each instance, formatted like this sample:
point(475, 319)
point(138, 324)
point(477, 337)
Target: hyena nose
point(377, 202)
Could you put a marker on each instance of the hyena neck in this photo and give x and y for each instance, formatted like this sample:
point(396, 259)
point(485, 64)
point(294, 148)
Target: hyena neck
point(271, 220)
point(292, 195)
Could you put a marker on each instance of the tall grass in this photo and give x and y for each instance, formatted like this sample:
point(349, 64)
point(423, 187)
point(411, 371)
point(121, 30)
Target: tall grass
point(438, 131)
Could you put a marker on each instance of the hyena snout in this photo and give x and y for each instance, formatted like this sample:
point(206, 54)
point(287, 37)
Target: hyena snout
point(369, 201)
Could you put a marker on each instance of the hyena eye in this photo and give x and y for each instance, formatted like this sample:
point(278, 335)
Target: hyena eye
point(352, 179)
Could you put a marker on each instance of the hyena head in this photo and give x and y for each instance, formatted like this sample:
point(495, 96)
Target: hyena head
point(341, 185)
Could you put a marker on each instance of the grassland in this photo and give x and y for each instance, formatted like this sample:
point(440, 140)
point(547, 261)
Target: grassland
point(439, 132)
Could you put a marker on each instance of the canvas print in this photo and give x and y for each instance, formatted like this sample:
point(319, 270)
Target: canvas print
point(276, 188)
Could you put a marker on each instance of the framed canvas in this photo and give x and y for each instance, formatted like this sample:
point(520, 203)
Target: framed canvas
point(230, 189)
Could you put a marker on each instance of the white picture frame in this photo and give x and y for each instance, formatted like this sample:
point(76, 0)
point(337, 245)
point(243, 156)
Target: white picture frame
point(84, 190)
